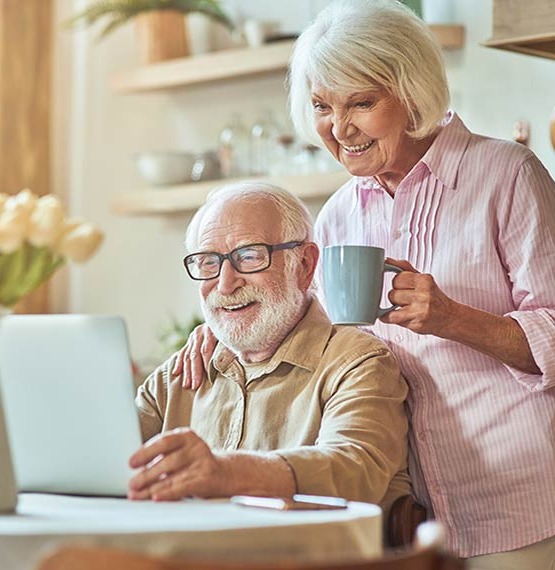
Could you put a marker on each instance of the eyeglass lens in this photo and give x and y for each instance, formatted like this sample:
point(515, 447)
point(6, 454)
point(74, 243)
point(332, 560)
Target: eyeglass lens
point(248, 259)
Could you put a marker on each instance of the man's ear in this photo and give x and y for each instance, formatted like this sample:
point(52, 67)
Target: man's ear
point(307, 266)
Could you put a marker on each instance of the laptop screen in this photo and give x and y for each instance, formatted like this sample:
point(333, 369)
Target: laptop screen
point(8, 491)
point(69, 402)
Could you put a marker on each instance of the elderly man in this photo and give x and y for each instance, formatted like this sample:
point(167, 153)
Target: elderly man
point(291, 404)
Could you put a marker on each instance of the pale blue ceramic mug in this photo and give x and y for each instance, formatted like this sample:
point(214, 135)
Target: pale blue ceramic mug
point(353, 283)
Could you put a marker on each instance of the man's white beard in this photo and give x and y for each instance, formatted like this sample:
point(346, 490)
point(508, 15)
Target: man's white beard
point(280, 309)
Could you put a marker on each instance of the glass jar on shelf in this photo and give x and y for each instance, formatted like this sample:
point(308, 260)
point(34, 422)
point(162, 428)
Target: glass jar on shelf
point(306, 159)
point(283, 163)
point(233, 149)
point(263, 141)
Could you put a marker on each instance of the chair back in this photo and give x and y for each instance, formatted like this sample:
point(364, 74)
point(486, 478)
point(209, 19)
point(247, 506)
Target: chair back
point(405, 515)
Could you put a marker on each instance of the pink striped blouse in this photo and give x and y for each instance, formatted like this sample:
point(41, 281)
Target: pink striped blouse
point(479, 215)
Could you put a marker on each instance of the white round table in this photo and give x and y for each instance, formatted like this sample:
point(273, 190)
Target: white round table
point(195, 528)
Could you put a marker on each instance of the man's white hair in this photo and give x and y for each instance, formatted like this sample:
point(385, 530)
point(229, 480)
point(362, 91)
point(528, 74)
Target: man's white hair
point(295, 219)
point(364, 46)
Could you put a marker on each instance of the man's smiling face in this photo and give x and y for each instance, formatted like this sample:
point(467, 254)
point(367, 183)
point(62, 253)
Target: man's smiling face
point(249, 313)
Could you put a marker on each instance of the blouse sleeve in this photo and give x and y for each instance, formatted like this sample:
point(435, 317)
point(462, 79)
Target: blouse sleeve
point(527, 242)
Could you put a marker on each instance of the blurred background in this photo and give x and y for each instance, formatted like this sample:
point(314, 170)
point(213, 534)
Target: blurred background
point(109, 136)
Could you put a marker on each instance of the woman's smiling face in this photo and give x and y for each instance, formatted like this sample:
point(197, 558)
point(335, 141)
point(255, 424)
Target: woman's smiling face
point(365, 131)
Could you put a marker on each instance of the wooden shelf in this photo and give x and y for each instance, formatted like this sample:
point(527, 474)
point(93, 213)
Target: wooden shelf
point(450, 36)
point(525, 27)
point(234, 63)
point(225, 64)
point(541, 45)
point(189, 197)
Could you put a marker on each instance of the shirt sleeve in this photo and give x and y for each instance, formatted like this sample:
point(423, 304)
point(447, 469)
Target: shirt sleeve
point(151, 400)
point(527, 242)
point(361, 445)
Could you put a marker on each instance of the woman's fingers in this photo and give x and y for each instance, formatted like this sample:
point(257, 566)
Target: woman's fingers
point(188, 362)
point(178, 364)
point(401, 264)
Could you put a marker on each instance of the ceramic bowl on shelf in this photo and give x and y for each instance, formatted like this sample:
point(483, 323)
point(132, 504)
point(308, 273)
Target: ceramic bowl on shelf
point(206, 167)
point(163, 168)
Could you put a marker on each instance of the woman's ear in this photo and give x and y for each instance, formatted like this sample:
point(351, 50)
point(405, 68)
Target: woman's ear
point(307, 266)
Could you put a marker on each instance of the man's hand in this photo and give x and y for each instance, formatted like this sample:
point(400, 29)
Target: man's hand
point(174, 465)
point(424, 308)
point(194, 358)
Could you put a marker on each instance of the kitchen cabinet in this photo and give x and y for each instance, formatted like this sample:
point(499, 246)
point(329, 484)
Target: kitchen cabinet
point(525, 27)
point(222, 66)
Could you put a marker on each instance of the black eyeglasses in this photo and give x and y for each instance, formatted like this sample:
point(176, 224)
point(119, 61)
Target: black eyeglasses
point(251, 258)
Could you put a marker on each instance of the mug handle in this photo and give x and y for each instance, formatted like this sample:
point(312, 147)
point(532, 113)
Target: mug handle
point(388, 269)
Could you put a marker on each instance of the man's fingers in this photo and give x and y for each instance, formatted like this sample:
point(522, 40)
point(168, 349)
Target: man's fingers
point(162, 468)
point(134, 495)
point(171, 489)
point(161, 444)
point(158, 468)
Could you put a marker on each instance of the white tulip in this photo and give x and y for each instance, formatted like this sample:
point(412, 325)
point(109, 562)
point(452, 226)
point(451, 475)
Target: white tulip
point(47, 222)
point(80, 241)
point(23, 202)
point(13, 226)
point(3, 199)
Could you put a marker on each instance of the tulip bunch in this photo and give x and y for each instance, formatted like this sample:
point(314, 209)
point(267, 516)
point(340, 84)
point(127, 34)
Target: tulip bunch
point(36, 239)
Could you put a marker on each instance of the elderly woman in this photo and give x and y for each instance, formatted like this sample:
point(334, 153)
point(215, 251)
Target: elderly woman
point(471, 221)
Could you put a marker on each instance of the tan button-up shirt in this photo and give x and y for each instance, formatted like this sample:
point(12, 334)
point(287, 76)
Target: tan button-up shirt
point(330, 402)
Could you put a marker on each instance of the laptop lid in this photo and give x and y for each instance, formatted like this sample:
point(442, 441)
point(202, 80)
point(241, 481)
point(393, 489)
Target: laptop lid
point(8, 490)
point(68, 395)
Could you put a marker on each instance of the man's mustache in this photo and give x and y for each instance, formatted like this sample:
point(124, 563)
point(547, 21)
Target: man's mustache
point(243, 296)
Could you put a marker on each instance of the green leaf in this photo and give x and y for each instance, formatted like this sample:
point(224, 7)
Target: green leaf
point(22, 271)
point(118, 12)
point(173, 336)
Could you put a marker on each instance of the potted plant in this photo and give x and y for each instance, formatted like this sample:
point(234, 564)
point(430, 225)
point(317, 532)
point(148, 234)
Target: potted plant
point(160, 23)
point(414, 5)
point(174, 335)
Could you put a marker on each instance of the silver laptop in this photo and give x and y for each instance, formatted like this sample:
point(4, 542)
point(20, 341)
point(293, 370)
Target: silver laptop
point(8, 490)
point(68, 395)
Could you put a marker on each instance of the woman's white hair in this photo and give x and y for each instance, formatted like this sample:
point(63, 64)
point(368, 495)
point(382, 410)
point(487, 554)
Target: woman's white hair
point(296, 221)
point(366, 45)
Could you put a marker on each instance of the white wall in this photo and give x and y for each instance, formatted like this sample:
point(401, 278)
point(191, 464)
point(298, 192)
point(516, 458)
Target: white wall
point(138, 272)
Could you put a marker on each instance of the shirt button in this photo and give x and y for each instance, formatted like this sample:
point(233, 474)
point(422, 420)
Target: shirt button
point(398, 338)
point(397, 234)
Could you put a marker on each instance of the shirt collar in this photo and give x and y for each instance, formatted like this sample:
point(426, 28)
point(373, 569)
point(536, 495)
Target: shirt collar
point(308, 340)
point(442, 159)
point(444, 156)
point(302, 347)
